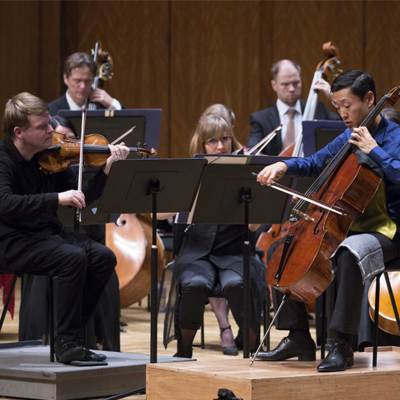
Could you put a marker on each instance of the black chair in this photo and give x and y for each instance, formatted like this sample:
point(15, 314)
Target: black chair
point(51, 312)
point(393, 265)
point(178, 236)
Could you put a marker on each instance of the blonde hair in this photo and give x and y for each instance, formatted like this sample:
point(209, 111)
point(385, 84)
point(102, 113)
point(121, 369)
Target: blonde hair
point(17, 112)
point(209, 127)
point(222, 110)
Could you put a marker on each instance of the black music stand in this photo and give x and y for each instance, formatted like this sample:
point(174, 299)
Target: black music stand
point(238, 198)
point(317, 134)
point(151, 186)
point(113, 123)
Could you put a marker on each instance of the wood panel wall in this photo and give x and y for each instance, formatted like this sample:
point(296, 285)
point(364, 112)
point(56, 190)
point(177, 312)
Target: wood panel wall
point(183, 56)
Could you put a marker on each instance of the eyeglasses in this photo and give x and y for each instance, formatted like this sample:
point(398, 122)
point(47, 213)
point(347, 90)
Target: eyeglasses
point(214, 141)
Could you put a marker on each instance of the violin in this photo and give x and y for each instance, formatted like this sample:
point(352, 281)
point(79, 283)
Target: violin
point(299, 267)
point(66, 151)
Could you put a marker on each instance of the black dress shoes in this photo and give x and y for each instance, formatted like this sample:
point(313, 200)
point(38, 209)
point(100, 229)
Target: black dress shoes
point(68, 351)
point(92, 356)
point(339, 358)
point(287, 348)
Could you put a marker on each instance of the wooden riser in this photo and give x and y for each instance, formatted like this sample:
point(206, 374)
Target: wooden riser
point(277, 380)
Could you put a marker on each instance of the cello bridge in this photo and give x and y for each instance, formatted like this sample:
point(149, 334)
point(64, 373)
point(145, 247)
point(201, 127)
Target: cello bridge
point(303, 215)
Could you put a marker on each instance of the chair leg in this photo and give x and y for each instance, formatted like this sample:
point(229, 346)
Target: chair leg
point(376, 321)
point(323, 326)
point(202, 345)
point(7, 303)
point(51, 317)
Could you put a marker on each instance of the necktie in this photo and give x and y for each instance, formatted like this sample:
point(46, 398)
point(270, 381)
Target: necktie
point(289, 138)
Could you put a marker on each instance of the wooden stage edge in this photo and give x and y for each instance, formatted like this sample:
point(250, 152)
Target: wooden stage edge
point(290, 379)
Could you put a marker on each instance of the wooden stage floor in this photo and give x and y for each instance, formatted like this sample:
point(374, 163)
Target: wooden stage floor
point(233, 372)
point(276, 380)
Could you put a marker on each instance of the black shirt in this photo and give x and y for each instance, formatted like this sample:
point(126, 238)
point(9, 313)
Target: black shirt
point(29, 226)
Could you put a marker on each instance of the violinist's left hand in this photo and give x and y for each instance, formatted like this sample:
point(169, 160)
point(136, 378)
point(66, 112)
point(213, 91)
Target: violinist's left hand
point(362, 139)
point(101, 96)
point(118, 152)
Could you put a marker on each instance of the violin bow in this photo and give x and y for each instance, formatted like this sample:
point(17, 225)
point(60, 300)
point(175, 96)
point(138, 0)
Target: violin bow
point(257, 148)
point(80, 171)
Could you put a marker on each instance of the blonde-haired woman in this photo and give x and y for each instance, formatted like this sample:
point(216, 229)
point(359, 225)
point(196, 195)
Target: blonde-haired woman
point(210, 261)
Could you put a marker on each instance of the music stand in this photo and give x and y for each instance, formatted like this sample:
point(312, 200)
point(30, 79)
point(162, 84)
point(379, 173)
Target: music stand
point(151, 186)
point(317, 134)
point(239, 199)
point(113, 123)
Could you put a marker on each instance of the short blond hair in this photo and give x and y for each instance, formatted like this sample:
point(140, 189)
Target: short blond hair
point(17, 112)
point(223, 110)
point(209, 127)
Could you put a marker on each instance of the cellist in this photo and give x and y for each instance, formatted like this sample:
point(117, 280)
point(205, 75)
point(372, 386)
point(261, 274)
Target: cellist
point(374, 236)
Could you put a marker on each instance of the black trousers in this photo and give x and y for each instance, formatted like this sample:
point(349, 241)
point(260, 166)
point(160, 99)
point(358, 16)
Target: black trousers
point(197, 282)
point(349, 290)
point(82, 270)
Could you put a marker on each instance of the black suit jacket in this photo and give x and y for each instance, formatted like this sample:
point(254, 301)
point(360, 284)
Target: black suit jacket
point(62, 104)
point(265, 121)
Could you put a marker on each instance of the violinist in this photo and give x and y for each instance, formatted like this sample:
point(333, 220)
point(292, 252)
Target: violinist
point(288, 109)
point(32, 240)
point(210, 261)
point(374, 235)
point(79, 72)
point(103, 329)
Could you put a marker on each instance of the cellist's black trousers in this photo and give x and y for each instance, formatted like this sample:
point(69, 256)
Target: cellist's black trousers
point(349, 292)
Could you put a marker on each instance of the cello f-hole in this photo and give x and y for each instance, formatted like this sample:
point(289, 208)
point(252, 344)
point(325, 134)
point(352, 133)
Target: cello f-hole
point(316, 229)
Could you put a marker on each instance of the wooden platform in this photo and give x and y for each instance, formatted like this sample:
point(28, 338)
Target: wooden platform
point(276, 380)
point(26, 372)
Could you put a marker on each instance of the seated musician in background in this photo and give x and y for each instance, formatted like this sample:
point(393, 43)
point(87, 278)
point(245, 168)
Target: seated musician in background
point(103, 329)
point(32, 240)
point(375, 229)
point(79, 72)
point(210, 261)
point(219, 304)
point(286, 82)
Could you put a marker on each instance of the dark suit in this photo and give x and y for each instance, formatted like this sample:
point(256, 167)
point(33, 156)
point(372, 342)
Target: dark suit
point(62, 104)
point(265, 121)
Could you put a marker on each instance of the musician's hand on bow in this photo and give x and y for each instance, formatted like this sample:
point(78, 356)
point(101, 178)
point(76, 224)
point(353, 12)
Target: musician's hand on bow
point(101, 96)
point(362, 139)
point(118, 152)
point(323, 86)
point(74, 198)
point(271, 173)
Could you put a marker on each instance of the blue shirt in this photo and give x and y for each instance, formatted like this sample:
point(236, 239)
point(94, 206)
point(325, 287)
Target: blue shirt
point(386, 155)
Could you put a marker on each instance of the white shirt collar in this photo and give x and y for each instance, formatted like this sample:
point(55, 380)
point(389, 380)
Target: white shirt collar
point(283, 108)
point(72, 104)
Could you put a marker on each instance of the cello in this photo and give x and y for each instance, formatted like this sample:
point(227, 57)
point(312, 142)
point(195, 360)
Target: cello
point(300, 266)
point(327, 69)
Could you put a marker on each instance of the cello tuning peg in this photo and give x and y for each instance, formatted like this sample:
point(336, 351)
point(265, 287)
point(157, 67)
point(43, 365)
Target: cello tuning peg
point(138, 144)
point(145, 145)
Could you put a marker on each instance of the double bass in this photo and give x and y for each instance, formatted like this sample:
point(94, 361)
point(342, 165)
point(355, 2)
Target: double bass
point(300, 266)
point(327, 69)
